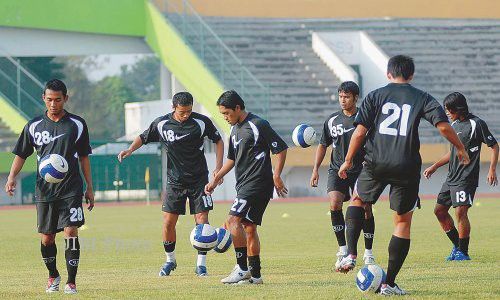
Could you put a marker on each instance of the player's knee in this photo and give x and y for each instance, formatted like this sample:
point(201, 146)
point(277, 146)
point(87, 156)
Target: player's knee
point(48, 239)
point(201, 218)
point(461, 212)
point(71, 231)
point(440, 212)
point(234, 221)
point(169, 224)
point(250, 229)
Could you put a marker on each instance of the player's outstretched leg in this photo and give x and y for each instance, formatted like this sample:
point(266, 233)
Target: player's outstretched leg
point(201, 260)
point(240, 270)
point(169, 238)
point(369, 234)
point(398, 250)
point(72, 254)
point(253, 244)
point(464, 233)
point(354, 223)
point(49, 252)
point(338, 224)
point(446, 222)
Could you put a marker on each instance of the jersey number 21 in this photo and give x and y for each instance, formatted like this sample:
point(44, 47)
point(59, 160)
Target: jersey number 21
point(395, 113)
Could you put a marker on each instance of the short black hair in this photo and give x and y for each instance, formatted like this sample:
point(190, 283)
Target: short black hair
point(349, 87)
point(229, 99)
point(56, 85)
point(456, 103)
point(401, 66)
point(182, 99)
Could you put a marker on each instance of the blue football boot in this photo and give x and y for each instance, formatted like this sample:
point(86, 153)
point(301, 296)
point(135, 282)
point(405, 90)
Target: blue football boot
point(168, 267)
point(452, 254)
point(201, 271)
point(459, 255)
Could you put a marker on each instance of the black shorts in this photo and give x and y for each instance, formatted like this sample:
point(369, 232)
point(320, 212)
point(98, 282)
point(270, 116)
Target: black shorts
point(456, 195)
point(403, 195)
point(337, 184)
point(174, 200)
point(252, 207)
point(53, 217)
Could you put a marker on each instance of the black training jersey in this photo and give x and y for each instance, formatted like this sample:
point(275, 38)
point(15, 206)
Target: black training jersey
point(472, 131)
point(250, 144)
point(392, 115)
point(337, 131)
point(186, 163)
point(69, 137)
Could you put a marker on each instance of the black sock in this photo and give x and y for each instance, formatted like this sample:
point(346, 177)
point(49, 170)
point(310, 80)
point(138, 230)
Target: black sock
point(338, 225)
point(398, 250)
point(72, 254)
point(464, 245)
point(453, 236)
point(169, 246)
point(369, 232)
point(241, 257)
point(254, 262)
point(49, 254)
point(202, 252)
point(354, 222)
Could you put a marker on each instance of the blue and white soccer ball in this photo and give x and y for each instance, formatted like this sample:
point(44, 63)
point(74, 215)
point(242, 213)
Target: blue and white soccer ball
point(53, 168)
point(304, 135)
point(223, 240)
point(203, 237)
point(370, 278)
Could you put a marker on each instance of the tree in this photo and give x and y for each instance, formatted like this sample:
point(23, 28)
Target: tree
point(143, 78)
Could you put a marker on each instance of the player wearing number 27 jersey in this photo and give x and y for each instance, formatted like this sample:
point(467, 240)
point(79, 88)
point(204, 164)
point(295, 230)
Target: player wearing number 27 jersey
point(389, 118)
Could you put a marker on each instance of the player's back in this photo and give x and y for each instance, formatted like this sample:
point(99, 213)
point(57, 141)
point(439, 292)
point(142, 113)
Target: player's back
point(392, 115)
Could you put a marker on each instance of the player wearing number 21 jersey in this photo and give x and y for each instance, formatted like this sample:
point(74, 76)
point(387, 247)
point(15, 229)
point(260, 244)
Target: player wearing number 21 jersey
point(182, 133)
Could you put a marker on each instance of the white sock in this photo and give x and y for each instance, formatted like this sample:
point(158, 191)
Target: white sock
point(202, 260)
point(343, 249)
point(368, 252)
point(170, 256)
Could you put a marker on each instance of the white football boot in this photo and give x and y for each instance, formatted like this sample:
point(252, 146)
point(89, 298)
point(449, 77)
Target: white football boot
point(236, 275)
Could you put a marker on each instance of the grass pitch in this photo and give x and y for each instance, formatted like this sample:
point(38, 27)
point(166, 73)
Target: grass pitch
point(122, 254)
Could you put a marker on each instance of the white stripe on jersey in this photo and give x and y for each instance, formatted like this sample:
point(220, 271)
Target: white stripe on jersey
point(202, 126)
point(330, 127)
point(255, 132)
point(473, 124)
point(32, 128)
point(160, 127)
point(80, 128)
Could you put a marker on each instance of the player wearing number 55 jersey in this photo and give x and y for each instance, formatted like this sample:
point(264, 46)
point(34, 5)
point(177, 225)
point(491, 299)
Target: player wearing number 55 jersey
point(388, 118)
point(251, 141)
point(460, 186)
point(182, 132)
point(58, 205)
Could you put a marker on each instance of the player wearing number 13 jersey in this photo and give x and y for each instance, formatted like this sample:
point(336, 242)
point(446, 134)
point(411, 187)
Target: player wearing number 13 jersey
point(388, 119)
point(182, 132)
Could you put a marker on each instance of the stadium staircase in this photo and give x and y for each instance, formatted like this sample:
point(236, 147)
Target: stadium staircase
point(450, 55)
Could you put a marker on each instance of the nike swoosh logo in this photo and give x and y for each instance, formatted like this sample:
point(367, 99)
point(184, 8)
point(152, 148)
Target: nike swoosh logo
point(459, 132)
point(56, 137)
point(180, 137)
point(237, 143)
point(347, 130)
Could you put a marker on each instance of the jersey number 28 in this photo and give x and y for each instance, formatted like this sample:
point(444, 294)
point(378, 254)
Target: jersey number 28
point(395, 113)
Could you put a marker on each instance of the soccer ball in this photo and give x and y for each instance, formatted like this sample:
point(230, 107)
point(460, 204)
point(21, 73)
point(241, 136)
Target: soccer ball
point(53, 168)
point(203, 237)
point(223, 240)
point(370, 278)
point(304, 136)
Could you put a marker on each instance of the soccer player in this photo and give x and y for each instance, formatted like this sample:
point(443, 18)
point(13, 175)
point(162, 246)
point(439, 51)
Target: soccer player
point(460, 186)
point(250, 143)
point(58, 205)
point(183, 133)
point(337, 131)
point(388, 118)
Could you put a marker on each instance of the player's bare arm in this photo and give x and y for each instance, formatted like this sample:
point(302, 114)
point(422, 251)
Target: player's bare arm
point(228, 166)
point(448, 133)
point(87, 174)
point(16, 167)
point(136, 144)
point(443, 161)
point(318, 159)
point(278, 182)
point(219, 156)
point(492, 173)
point(357, 140)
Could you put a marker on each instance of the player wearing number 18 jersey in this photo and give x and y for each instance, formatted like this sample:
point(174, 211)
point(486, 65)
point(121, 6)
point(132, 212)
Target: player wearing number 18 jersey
point(388, 118)
point(182, 132)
